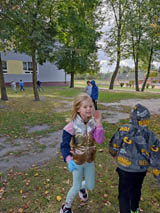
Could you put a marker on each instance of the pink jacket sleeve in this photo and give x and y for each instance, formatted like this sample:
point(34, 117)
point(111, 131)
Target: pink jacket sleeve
point(98, 134)
point(69, 128)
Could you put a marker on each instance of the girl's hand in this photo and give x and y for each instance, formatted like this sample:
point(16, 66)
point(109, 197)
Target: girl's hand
point(97, 117)
point(72, 165)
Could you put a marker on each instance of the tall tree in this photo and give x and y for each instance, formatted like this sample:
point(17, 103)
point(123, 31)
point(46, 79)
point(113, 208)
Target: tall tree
point(115, 35)
point(137, 26)
point(5, 35)
point(77, 32)
point(153, 36)
point(4, 96)
point(34, 30)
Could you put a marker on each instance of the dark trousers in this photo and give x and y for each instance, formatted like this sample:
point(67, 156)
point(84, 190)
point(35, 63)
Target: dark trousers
point(95, 104)
point(130, 184)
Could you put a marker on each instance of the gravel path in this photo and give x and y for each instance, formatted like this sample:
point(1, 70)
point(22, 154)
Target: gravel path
point(152, 104)
point(114, 116)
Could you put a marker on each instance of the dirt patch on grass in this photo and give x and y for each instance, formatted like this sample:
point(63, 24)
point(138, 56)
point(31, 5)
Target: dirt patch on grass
point(37, 128)
point(25, 153)
point(117, 110)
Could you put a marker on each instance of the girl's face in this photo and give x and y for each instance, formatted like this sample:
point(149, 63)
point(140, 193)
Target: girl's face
point(86, 110)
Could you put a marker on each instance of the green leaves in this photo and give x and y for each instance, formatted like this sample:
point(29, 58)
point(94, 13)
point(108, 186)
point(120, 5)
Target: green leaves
point(31, 26)
point(77, 33)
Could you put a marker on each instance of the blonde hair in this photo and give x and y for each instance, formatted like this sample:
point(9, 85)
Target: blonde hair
point(77, 103)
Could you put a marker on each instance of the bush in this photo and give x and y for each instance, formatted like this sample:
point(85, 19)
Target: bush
point(121, 84)
point(147, 86)
point(131, 83)
point(155, 81)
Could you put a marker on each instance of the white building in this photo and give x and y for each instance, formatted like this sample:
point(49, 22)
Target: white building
point(18, 67)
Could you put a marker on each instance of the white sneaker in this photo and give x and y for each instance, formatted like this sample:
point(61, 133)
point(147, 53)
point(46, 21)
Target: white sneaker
point(83, 194)
point(65, 210)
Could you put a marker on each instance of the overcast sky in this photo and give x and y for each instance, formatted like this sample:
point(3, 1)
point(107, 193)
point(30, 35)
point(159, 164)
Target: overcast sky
point(106, 68)
point(104, 60)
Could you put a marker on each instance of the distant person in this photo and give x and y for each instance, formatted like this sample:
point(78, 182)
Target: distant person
point(39, 85)
point(136, 148)
point(78, 148)
point(88, 88)
point(94, 93)
point(21, 85)
point(13, 85)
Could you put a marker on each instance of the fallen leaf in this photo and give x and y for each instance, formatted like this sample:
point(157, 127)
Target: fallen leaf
point(20, 210)
point(105, 195)
point(107, 203)
point(82, 203)
point(25, 206)
point(47, 186)
point(28, 182)
point(36, 174)
point(59, 198)
point(68, 181)
point(46, 192)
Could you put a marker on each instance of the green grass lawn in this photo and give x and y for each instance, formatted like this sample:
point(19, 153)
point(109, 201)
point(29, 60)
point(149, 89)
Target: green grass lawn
point(36, 190)
point(105, 84)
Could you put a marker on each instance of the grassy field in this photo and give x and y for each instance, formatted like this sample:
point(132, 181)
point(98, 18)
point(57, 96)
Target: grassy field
point(105, 84)
point(43, 189)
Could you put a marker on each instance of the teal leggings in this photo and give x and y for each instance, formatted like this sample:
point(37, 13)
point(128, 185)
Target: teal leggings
point(87, 171)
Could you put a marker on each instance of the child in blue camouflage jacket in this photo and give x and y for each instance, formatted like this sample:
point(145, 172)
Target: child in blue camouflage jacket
point(136, 148)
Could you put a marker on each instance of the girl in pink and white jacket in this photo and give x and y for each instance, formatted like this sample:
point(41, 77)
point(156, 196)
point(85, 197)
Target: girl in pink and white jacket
point(78, 147)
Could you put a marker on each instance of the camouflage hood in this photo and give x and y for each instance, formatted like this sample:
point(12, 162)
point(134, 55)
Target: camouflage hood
point(140, 116)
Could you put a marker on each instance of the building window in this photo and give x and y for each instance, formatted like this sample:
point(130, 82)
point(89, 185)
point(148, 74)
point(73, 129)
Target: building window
point(27, 67)
point(4, 66)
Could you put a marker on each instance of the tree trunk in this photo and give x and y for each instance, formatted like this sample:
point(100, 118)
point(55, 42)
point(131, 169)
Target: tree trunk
point(136, 74)
point(115, 71)
point(119, 38)
point(34, 77)
point(2, 83)
point(148, 69)
point(72, 80)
